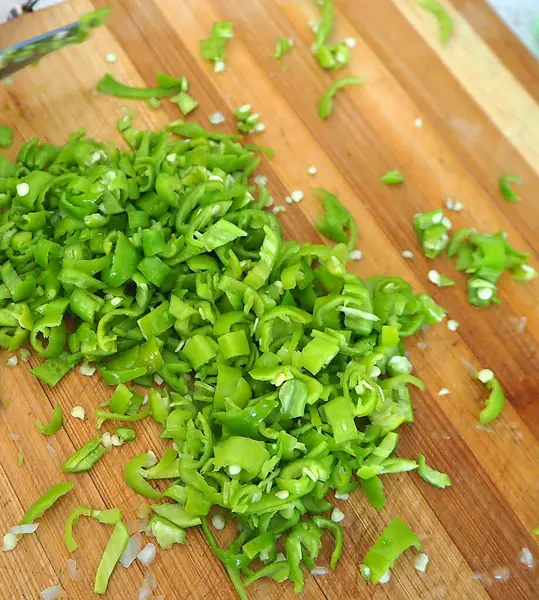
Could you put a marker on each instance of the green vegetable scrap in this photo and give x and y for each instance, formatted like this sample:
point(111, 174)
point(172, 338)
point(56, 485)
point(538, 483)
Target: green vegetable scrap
point(166, 86)
point(46, 501)
point(6, 136)
point(393, 541)
point(282, 47)
point(214, 48)
point(56, 422)
point(445, 22)
point(392, 178)
point(496, 400)
point(113, 551)
point(325, 106)
point(282, 376)
point(506, 190)
point(247, 121)
point(336, 220)
point(440, 279)
point(329, 56)
point(432, 230)
point(84, 459)
point(109, 517)
point(75, 35)
point(485, 257)
point(435, 478)
point(185, 102)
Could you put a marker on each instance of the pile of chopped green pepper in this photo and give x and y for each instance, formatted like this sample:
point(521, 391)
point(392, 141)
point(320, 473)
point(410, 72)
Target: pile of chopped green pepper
point(284, 375)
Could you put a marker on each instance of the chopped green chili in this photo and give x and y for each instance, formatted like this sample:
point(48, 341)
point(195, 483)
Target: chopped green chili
point(392, 178)
point(496, 400)
point(46, 501)
point(214, 48)
point(185, 102)
point(108, 517)
point(85, 458)
point(393, 541)
point(126, 434)
point(435, 478)
point(56, 422)
point(506, 190)
point(329, 56)
point(282, 47)
point(335, 220)
point(282, 376)
point(113, 551)
point(247, 121)
point(445, 22)
point(325, 105)
point(485, 257)
point(432, 230)
point(326, 24)
point(135, 477)
point(167, 86)
point(6, 136)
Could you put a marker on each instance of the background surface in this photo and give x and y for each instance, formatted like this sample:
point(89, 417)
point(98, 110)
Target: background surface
point(518, 14)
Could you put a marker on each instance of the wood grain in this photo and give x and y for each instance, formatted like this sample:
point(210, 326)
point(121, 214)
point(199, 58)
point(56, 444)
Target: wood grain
point(477, 98)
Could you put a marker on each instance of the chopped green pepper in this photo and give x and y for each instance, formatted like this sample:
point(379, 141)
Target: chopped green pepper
point(325, 105)
point(506, 190)
point(435, 478)
point(6, 136)
point(56, 422)
point(393, 541)
point(46, 501)
point(113, 551)
point(496, 400)
point(445, 22)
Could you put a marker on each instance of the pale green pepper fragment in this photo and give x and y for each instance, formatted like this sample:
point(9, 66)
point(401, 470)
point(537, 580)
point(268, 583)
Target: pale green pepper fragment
point(113, 551)
point(430, 475)
point(108, 517)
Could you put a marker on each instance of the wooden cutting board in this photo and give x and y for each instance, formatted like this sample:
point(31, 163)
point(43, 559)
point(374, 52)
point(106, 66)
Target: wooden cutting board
point(476, 98)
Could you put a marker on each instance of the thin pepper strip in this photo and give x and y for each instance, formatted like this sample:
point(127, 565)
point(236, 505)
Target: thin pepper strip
point(108, 517)
point(445, 22)
point(325, 105)
point(112, 87)
point(430, 475)
point(113, 551)
point(48, 499)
